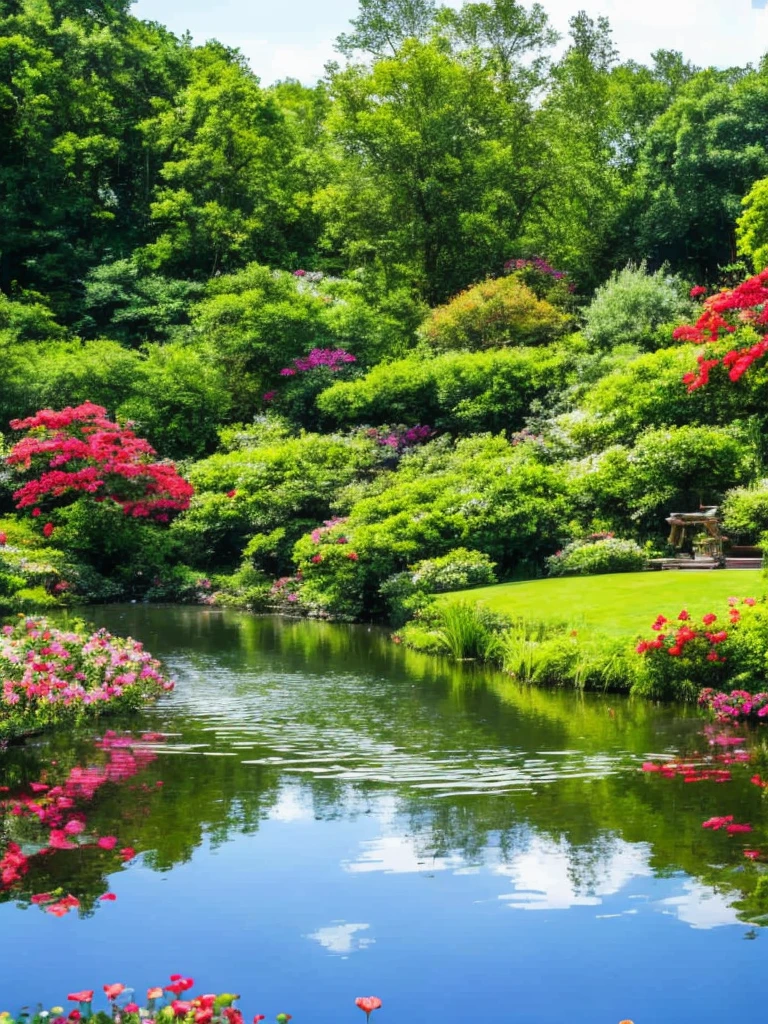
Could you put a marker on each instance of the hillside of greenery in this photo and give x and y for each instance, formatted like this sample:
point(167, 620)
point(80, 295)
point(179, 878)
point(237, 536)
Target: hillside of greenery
point(405, 331)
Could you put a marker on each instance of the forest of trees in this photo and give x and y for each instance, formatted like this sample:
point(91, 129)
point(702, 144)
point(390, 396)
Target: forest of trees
point(451, 267)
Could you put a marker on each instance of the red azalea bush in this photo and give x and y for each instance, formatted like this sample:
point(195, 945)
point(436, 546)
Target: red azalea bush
point(723, 314)
point(685, 655)
point(49, 676)
point(79, 451)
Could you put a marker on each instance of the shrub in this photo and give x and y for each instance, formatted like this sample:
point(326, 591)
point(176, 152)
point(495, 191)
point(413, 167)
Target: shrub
point(481, 492)
point(457, 570)
point(497, 312)
point(268, 481)
point(465, 630)
point(745, 512)
point(607, 555)
point(462, 392)
point(51, 676)
point(633, 305)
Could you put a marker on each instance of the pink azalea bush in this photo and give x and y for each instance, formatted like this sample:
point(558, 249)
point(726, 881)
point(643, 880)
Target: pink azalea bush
point(736, 706)
point(51, 676)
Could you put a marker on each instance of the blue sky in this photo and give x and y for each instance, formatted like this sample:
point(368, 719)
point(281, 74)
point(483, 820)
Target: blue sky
point(294, 37)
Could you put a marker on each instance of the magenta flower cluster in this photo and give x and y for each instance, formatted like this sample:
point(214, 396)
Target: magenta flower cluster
point(736, 706)
point(331, 358)
point(398, 438)
point(536, 263)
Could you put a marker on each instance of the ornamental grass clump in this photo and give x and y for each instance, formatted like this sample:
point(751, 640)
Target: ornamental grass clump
point(52, 676)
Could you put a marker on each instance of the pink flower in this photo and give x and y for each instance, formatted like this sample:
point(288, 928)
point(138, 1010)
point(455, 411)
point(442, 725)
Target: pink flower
point(36, 512)
point(113, 991)
point(107, 842)
point(717, 823)
point(108, 897)
point(738, 828)
point(48, 529)
point(131, 1007)
point(709, 619)
point(697, 291)
point(84, 996)
point(752, 854)
point(127, 853)
point(231, 494)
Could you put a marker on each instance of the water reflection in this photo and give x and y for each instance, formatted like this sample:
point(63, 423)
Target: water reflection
point(358, 802)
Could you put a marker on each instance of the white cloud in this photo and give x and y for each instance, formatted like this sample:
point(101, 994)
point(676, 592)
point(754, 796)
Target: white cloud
point(342, 939)
point(397, 855)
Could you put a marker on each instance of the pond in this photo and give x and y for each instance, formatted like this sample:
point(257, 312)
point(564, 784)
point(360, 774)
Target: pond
point(317, 814)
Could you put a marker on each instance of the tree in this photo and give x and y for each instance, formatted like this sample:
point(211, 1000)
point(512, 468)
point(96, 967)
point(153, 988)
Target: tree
point(699, 160)
point(223, 143)
point(382, 26)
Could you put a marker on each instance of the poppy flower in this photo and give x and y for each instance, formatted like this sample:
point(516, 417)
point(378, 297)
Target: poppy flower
point(204, 1016)
point(113, 991)
point(180, 1007)
point(368, 1004)
point(131, 1007)
point(154, 993)
point(86, 996)
point(75, 1015)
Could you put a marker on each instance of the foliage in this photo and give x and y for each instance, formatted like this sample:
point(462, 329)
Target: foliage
point(745, 512)
point(53, 676)
point(632, 307)
point(752, 225)
point(591, 558)
point(634, 489)
point(406, 592)
point(466, 631)
point(268, 489)
point(480, 492)
point(463, 392)
point(495, 313)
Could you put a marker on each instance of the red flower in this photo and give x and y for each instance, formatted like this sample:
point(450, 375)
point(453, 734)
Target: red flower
point(259, 1017)
point(317, 559)
point(368, 1004)
point(717, 823)
point(231, 494)
point(180, 1008)
point(48, 529)
point(127, 853)
point(108, 896)
point(113, 991)
point(738, 828)
point(709, 619)
point(36, 512)
point(107, 842)
point(675, 651)
point(684, 616)
point(697, 291)
point(86, 996)
point(3, 539)
point(353, 556)
point(75, 1015)
point(752, 854)
point(131, 1007)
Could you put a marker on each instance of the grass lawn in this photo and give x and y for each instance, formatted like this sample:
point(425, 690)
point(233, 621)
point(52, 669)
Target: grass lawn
point(625, 603)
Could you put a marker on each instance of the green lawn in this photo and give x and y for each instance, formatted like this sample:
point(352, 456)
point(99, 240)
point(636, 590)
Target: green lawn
point(625, 603)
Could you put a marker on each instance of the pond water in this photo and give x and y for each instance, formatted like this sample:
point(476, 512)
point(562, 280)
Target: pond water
point(318, 814)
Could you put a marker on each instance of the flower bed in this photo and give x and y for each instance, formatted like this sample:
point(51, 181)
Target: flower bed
point(167, 1003)
point(52, 676)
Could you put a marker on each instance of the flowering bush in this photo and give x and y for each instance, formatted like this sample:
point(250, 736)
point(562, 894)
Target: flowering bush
point(50, 676)
point(686, 653)
point(332, 359)
point(397, 439)
point(736, 706)
point(723, 315)
point(600, 555)
point(79, 451)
